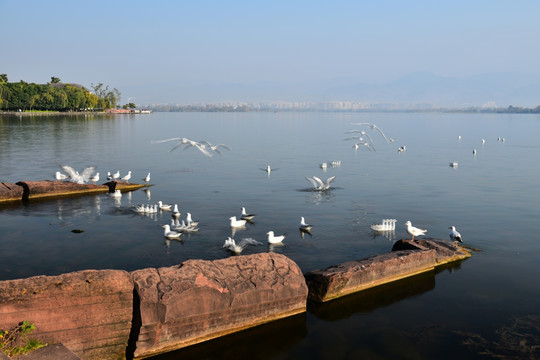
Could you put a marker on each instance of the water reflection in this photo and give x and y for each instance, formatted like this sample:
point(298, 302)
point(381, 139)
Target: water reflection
point(269, 341)
point(372, 299)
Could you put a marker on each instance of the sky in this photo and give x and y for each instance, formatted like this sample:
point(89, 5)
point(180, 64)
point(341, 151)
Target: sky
point(178, 51)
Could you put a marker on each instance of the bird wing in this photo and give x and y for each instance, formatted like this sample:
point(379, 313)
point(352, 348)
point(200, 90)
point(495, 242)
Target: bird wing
point(248, 241)
point(330, 179)
point(88, 172)
point(202, 148)
point(176, 146)
point(69, 171)
point(313, 182)
point(162, 141)
point(319, 181)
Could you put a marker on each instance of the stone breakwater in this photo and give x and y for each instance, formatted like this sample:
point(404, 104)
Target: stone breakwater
point(112, 314)
point(46, 189)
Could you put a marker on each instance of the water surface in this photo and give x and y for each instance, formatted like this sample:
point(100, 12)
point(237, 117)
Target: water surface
point(491, 197)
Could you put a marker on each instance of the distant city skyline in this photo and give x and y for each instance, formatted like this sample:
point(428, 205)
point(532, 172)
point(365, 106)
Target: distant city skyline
point(211, 51)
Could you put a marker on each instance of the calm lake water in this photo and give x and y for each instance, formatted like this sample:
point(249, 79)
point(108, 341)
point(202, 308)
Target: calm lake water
point(486, 304)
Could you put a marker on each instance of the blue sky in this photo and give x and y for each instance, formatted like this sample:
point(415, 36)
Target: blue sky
point(158, 50)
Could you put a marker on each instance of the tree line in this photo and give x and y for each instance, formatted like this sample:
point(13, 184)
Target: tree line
point(55, 96)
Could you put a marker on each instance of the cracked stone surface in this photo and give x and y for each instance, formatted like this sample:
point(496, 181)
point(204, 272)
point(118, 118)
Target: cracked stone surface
point(199, 300)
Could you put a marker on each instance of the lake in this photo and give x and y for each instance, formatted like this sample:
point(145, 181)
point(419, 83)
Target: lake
point(487, 304)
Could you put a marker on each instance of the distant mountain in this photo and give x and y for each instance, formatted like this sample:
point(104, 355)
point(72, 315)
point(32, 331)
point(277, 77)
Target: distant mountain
point(421, 88)
point(504, 89)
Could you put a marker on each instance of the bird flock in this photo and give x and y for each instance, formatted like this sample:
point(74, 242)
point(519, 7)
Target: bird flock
point(179, 227)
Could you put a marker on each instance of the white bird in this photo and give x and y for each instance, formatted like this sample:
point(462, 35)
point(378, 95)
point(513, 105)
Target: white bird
point(231, 245)
point(454, 234)
point(188, 143)
point(474, 151)
point(318, 184)
point(483, 141)
point(170, 234)
point(303, 226)
point(274, 239)
point(59, 176)
point(141, 209)
point(176, 213)
point(162, 206)
point(454, 164)
point(147, 178)
point(402, 148)
point(109, 176)
point(215, 147)
point(373, 126)
point(190, 221)
point(268, 169)
point(116, 175)
point(115, 194)
point(75, 176)
point(127, 177)
point(414, 231)
point(237, 223)
point(246, 216)
point(95, 178)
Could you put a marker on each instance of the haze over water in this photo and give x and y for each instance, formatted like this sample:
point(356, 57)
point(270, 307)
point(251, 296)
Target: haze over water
point(492, 198)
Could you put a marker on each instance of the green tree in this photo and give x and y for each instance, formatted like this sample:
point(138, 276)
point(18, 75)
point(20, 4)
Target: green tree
point(55, 80)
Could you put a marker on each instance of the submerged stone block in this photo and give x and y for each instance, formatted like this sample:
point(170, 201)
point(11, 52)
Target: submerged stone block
point(352, 276)
point(407, 258)
point(201, 300)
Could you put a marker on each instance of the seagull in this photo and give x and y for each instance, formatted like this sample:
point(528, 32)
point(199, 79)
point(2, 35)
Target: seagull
point(127, 177)
point(246, 216)
point(303, 226)
point(237, 223)
point(373, 126)
point(170, 234)
point(454, 234)
point(95, 178)
point(141, 209)
point(59, 176)
point(454, 164)
point(147, 178)
point(116, 175)
point(109, 176)
point(215, 147)
point(176, 213)
point(402, 148)
point(188, 143)
point(474, 151)
point(414, 231)
point(115, 194)
point(162, 206)
point(361, 141)
point(363, 133)
point(231, 245)
point(318, 184)
point(75, 176)
point(190, 221)
point(274, 239)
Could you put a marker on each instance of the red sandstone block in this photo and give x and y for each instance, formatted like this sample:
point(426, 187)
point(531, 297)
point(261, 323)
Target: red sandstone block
point(200, 300)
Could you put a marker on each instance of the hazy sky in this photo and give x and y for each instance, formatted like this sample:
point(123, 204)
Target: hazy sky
point(144, 47)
